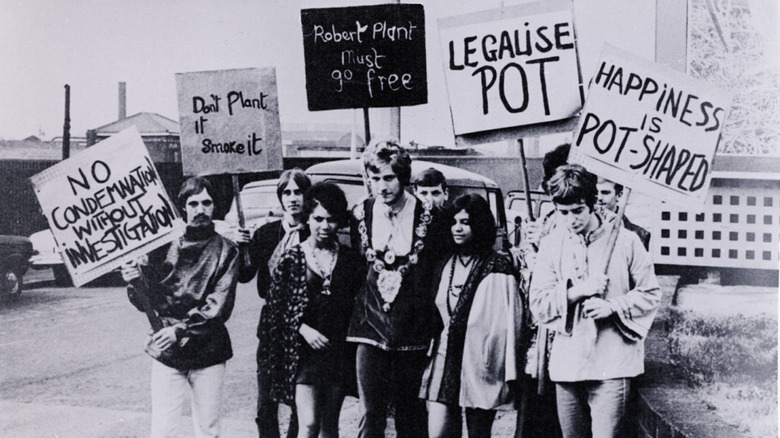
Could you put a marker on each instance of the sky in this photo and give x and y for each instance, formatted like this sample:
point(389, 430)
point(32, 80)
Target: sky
point(93, 45)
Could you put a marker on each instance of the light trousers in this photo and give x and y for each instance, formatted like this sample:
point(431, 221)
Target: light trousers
point(169, 389)
point(593, 408)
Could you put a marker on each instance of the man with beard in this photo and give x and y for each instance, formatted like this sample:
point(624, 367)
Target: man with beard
point(188, 287)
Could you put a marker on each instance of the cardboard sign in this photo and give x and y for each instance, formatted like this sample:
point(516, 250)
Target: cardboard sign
point(105, 205)
point(511, 66)
point(650, 128)
point(366, 56)
point(229, 121)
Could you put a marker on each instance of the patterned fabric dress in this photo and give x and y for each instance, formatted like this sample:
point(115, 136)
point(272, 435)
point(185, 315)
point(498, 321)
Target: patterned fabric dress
point(295, 298)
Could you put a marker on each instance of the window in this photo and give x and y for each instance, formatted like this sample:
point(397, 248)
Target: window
point(716, 235)
point(766, 255)
point(700, 217)
point(665, 215)
point(717, 199)
point(750, 237)
point(767, 201)
point(716, 217)
point(767, 219)
point(750, 254)
point(732, 253)
point(665, 250)
point(682, 234)
point(682, 216)
point(699, 234)
point(734, 218)
point(767, 238)
point(698, 252)
point(751, 201)
point(682, 251)
point(733, 236)
point(716, 253)
point(665, 233)
point(734, 200)
point(751, 218)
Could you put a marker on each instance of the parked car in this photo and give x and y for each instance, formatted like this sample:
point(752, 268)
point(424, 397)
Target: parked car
point(259, 204)
point(517, 210)
point(15, 252)
point(45, 256)
point(347, 174)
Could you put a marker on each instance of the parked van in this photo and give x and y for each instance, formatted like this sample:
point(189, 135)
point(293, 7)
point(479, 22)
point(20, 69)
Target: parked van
point(348, 175)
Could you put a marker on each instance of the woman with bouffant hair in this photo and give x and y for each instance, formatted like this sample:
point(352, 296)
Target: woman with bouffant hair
point(314, 285)
point(473, 359)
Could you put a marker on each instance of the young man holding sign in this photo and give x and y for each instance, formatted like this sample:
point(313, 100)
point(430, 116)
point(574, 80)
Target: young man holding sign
point(600, 306)
point(188, 287)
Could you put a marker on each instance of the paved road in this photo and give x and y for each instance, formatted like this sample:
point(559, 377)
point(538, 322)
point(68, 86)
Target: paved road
point(72, 365)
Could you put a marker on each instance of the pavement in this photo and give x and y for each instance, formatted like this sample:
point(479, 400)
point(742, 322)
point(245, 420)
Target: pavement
point(57, 421)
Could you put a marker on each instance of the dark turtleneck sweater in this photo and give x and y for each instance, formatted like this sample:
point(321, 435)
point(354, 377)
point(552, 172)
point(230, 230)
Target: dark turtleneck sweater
point(192, 281)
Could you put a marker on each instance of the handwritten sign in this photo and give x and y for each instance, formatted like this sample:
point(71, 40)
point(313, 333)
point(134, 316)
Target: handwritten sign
point(229, 121)
point(365, 56)
point(650, 128)
point(511, 66)
point(106, 204)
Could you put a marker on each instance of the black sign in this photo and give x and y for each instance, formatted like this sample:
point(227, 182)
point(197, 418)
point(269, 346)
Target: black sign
point(366, 56)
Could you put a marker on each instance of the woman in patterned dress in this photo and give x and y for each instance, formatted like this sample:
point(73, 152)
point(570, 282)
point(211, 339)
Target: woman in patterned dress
point(315, 283)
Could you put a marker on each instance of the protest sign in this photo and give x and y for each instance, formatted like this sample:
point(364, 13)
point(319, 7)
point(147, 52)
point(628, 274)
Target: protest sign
point(105, 205)
point(365, 56)
point(229, 121)
point(650, 128)
point(511, 67)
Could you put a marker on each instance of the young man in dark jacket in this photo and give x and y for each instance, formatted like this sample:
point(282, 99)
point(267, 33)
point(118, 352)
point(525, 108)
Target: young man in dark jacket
point(188, 287)
point(400, 237)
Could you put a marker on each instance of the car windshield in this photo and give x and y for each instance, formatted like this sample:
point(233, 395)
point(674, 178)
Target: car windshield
point(259, 200)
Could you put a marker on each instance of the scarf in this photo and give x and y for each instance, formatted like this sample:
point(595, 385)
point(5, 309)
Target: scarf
point(292, 237)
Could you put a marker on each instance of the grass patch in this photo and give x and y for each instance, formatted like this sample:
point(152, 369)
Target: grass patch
point(731, 362)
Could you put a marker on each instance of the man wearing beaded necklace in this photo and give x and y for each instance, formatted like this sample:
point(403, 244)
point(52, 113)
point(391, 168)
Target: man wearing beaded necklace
point(392, 322)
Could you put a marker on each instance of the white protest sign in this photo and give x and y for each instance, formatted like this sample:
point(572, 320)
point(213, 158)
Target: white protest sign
point(105, 205)
point(511, 67)
point(229, 121)
point(650, 128)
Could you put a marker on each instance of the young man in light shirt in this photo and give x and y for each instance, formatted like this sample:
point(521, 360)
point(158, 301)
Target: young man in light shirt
point(600, 319)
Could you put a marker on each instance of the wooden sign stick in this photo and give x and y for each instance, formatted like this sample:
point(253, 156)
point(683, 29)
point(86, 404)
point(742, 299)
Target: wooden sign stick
point(524, 171)
point(618, 223)
point(240, 211)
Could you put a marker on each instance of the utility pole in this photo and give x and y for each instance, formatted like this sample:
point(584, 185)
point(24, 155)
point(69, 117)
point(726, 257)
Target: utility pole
point(66, 126)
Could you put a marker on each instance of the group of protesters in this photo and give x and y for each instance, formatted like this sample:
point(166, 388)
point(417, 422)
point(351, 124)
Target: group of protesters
point(422, 315)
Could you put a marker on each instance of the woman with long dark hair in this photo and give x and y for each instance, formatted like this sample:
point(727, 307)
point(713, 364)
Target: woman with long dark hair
point(474, 357)
point(315, 284)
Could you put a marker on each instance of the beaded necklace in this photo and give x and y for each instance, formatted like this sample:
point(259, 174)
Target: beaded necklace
point(326, 275)
point(390, 276)
point(450, 288)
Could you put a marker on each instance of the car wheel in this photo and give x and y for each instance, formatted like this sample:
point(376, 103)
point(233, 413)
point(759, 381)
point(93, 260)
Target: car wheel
point(61, 276)
point(12, 282)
